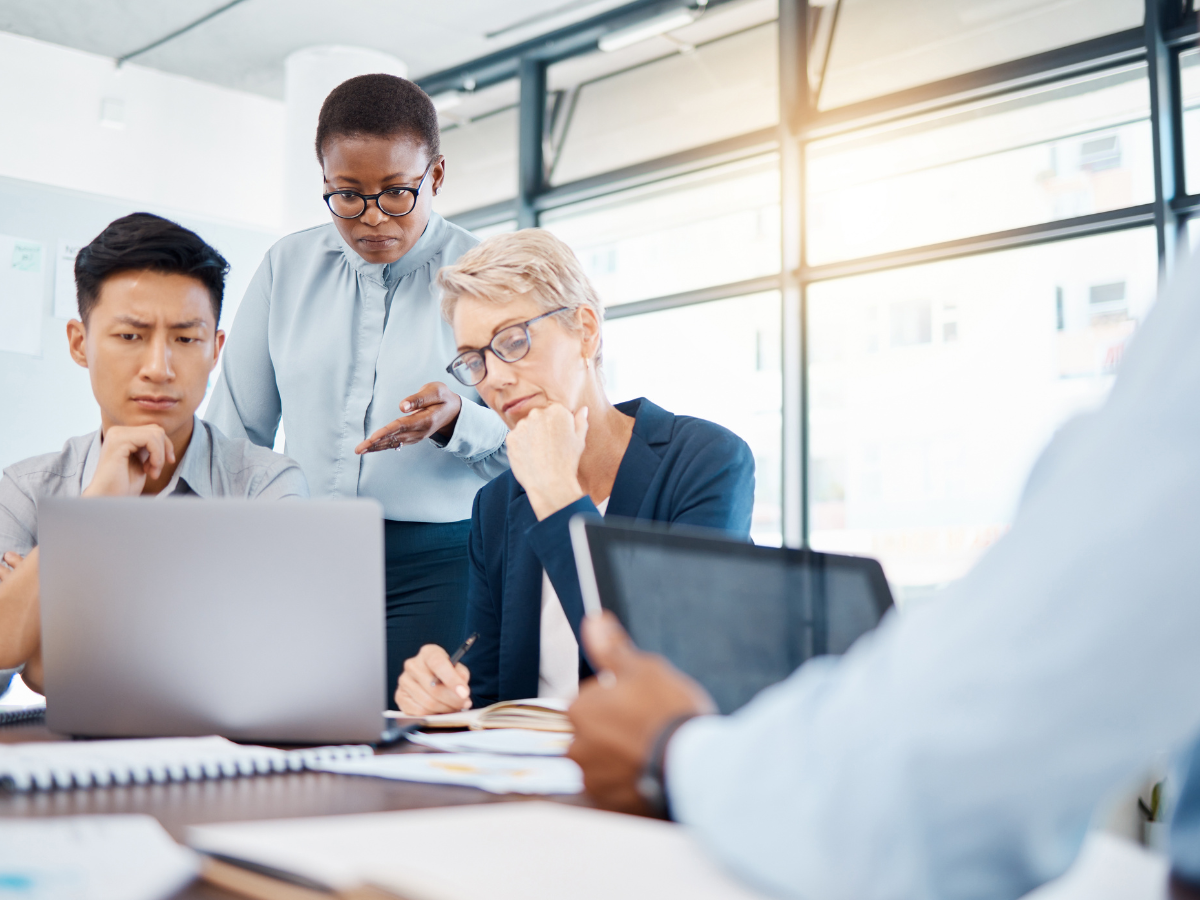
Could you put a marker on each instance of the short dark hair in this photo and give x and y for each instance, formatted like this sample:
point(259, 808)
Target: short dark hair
point(143, 241)
point(378, 106)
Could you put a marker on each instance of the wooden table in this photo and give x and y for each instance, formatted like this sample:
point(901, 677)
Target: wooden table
point(290, 795)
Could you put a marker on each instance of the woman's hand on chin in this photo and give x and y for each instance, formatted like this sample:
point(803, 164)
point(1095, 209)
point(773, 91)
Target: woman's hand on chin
point(544, 451)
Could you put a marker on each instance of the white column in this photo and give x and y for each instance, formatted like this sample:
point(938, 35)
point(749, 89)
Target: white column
point(311, 74)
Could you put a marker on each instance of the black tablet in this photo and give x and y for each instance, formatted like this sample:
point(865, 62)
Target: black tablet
point(732, 615)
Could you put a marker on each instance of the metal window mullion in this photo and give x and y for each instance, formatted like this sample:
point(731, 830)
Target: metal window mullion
point(531, 171)
point(794, 112)
point(1164, 121)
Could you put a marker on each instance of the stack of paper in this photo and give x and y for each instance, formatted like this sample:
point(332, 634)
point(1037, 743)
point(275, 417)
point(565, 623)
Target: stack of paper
point(495, 851)
point(515, 741)
point(91, 858)
point(499, 774)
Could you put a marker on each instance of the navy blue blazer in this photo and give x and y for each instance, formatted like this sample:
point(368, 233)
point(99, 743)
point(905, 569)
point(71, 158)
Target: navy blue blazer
point(676, 469)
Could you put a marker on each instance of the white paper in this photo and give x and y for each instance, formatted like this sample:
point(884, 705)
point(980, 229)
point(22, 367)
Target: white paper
point(65, 304)
point(91, 858)
point(511, 741)
point(489, 851)
point(21, 265)
point(490, 772)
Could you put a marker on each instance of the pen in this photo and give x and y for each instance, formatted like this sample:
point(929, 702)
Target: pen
point(459, 653)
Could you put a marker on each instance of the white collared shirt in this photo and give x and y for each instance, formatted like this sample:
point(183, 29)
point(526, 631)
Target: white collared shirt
point(558, 655)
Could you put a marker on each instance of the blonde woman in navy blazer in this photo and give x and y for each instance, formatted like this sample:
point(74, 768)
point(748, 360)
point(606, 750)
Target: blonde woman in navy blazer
point(528, 327)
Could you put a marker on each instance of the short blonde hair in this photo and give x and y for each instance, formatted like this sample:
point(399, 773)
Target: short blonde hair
point(531, 261)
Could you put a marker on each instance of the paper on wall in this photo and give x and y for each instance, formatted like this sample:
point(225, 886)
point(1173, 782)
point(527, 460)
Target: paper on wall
point(65, 304)
point(20, 295)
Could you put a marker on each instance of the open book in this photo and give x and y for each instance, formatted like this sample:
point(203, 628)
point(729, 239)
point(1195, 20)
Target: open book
point(492, 851)
point(542, 714)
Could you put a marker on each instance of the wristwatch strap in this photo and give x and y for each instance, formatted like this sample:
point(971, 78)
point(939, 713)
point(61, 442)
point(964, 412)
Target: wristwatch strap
point(652, 785)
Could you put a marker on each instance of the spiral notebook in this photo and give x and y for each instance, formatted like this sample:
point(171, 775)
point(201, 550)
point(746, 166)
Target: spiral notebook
point(68, 764)
point(14, 715)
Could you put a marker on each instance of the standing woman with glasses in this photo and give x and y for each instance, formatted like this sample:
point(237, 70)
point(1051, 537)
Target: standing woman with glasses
point(527, 323)
point(340, 331)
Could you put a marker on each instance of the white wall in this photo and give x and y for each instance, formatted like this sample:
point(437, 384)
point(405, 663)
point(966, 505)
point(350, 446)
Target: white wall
point(183, 144)
point(46, 399)
point(207, 157)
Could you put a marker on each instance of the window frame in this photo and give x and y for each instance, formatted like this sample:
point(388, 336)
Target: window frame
point(1169, 28)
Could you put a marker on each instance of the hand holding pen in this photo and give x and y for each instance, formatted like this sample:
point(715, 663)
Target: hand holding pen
point(434, 682)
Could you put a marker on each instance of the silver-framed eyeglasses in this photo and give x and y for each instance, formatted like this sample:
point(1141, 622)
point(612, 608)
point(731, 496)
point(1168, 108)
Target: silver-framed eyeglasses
point(509, 344)
point(394, 202)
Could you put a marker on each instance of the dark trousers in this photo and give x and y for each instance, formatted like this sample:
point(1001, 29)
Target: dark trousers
point(426, 571)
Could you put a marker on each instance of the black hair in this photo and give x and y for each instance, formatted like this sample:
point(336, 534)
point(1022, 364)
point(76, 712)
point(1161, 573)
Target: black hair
point(378, 106)
point(143, 241)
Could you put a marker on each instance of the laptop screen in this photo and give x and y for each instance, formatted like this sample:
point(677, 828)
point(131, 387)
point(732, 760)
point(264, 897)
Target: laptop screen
point(733, 616)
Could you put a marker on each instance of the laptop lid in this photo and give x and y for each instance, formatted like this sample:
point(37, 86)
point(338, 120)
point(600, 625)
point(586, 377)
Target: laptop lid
point(733, 616)
point(255, 620)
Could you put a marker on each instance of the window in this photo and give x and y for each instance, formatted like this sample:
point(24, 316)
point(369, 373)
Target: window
point(479, 141)
point(933, 388)
point(883, 46)
point(486, 231)
point(719, 361)
point(714, 227)
point(1189, 79)
point(1070, 150)
point(697, 95)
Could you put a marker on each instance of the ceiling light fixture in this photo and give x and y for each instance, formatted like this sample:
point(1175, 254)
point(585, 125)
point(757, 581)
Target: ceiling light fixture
point(446, 100)
point(643, 31)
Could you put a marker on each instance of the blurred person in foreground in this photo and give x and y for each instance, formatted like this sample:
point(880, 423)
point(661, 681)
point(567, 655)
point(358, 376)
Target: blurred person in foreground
point(962, 748)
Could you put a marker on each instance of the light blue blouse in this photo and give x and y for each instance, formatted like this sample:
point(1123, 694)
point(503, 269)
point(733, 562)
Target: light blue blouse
point(328, 345)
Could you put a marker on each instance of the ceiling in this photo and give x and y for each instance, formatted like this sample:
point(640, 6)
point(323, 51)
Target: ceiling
point(245, 46)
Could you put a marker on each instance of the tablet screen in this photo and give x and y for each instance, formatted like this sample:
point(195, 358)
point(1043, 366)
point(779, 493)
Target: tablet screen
point(735, 617)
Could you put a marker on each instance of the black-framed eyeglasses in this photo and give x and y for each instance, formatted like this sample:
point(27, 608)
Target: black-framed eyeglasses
point(395, 202)
point(509, 344)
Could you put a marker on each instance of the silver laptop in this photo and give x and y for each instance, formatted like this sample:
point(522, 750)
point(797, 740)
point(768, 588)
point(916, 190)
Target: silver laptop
point(256, 620)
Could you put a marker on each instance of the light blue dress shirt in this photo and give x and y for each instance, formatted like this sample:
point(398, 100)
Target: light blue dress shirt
point(961, 749)
point(329, 344)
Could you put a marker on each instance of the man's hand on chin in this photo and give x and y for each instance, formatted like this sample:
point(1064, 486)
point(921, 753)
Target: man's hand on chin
point(128, 457)
point(621, 713)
